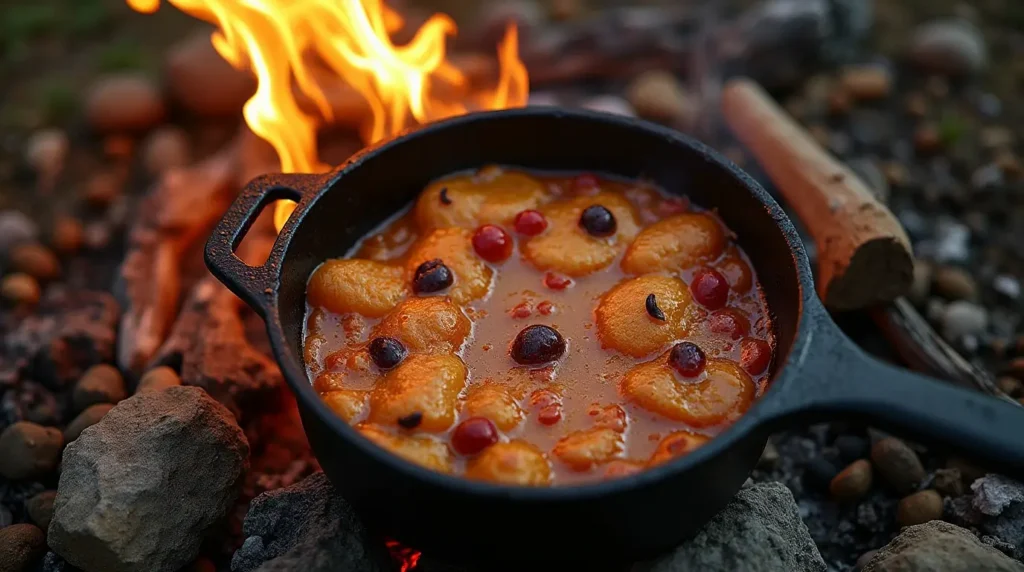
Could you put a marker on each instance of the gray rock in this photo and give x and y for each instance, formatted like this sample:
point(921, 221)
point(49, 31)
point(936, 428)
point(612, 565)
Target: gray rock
point(1008, 527)
point(963, 318)
point(163, 465)
point(15, 228)
point(305, 527)
point(760, 531)
point(938, 546)
point(994, 493)
point(951, 47)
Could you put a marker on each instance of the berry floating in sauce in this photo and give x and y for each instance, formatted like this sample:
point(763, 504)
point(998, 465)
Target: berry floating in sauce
point(755, 355)
point(710, 288)
point(492, 243)
point(530, 223)
point(474, 435)
point(556, 281)
point(537, 345)
point(688, 359)
point(387, 352)
point(598, 221)
point(432, 276)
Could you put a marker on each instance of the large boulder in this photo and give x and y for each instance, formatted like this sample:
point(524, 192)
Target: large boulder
point(139, 489)
point(938, 546)
point(306, 527)
point(759, 531)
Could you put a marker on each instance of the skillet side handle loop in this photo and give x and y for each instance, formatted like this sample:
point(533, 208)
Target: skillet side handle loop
point(844, 382)
point(252, 283)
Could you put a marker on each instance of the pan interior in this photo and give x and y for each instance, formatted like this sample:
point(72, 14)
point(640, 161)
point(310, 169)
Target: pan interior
point(374, 185)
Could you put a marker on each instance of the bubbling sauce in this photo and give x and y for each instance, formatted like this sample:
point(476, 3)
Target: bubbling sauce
point(536, 329)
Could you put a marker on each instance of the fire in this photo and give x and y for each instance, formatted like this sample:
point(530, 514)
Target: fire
point(406, 557)
point(286, 42)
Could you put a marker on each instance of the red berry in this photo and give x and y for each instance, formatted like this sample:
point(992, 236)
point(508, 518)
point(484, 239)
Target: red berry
point(522, 310)
point(585, 184)
point(545, 308)
point(556, 282)
point(550, 415)
point(710, 288)
point(530, 223)
point(755, 355)
point(474, 435)
point(492, 243)
point(729, 322)
point(688, 359)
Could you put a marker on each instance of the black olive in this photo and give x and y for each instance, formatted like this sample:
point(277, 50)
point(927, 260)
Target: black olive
point(445, 199)
point(432, 276)
point(598, 221)
point(412, 420)
point(652, 308)
point(688, 359)
point(387, 352)
point(537, 345)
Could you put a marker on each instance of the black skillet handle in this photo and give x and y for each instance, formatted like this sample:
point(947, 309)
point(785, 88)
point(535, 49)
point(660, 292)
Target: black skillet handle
point(254, 284)
point(838, 380)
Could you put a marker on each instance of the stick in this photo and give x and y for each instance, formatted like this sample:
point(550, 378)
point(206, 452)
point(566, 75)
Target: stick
point(864, 256)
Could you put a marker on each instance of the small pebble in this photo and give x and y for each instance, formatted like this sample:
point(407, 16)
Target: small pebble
point(40, 508)
point(922, 284)
point(853, 482)
point(86, 419)
point(917, 105)
point(99, 384)
point(951, 47)
point(158, 379)
point(609, 104)
point(15, 228)
point(46, 151)
point(165, 149)
point(769, 457)
point(987, 177)
point(927, 139)
point(866, 82)
point(898, 464)
point(969, 472)
point(1006, 286)
point(21, 547)
point(839, 102)
point(660, 96)
point(124, 103)
point(35, 260)
point(1010, 385)
point(955, 283)
point(954, 241)
point(68, 234)
point(948, 482)
point(1009, 163)
point(996, 137)
point(103, 188)
point(852, 447)
point(963, 318)
point(28, 450)
point(919, 508)
point(819, 472)
point(562, 10)
point(20, 289)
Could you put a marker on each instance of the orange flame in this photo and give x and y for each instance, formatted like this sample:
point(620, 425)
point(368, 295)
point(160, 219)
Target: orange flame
point(282, 41)
point(406, 557)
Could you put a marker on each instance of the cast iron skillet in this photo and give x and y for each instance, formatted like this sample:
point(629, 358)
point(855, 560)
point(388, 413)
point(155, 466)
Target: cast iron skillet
point(818, 373)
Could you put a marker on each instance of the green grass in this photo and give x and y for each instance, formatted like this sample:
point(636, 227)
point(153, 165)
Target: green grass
point(124, 57)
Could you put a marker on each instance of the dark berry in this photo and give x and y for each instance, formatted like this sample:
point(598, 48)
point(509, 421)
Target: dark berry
point(710, 288)
point(755, 355)
point(556, 282)
point(537, 345)
point(492, 243)
point(651, 304)
point(445, 199)
point(474, 435)
point(432, 276)
point(688, 359)
point(530, 223)
point(387, 352)
point(598, 221)
point(411, 421)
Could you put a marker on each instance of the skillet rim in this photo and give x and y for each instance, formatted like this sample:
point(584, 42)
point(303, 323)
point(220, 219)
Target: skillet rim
point(293, 369)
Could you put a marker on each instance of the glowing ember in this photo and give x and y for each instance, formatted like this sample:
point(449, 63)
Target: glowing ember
point(286, 42)
point(406, 557)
